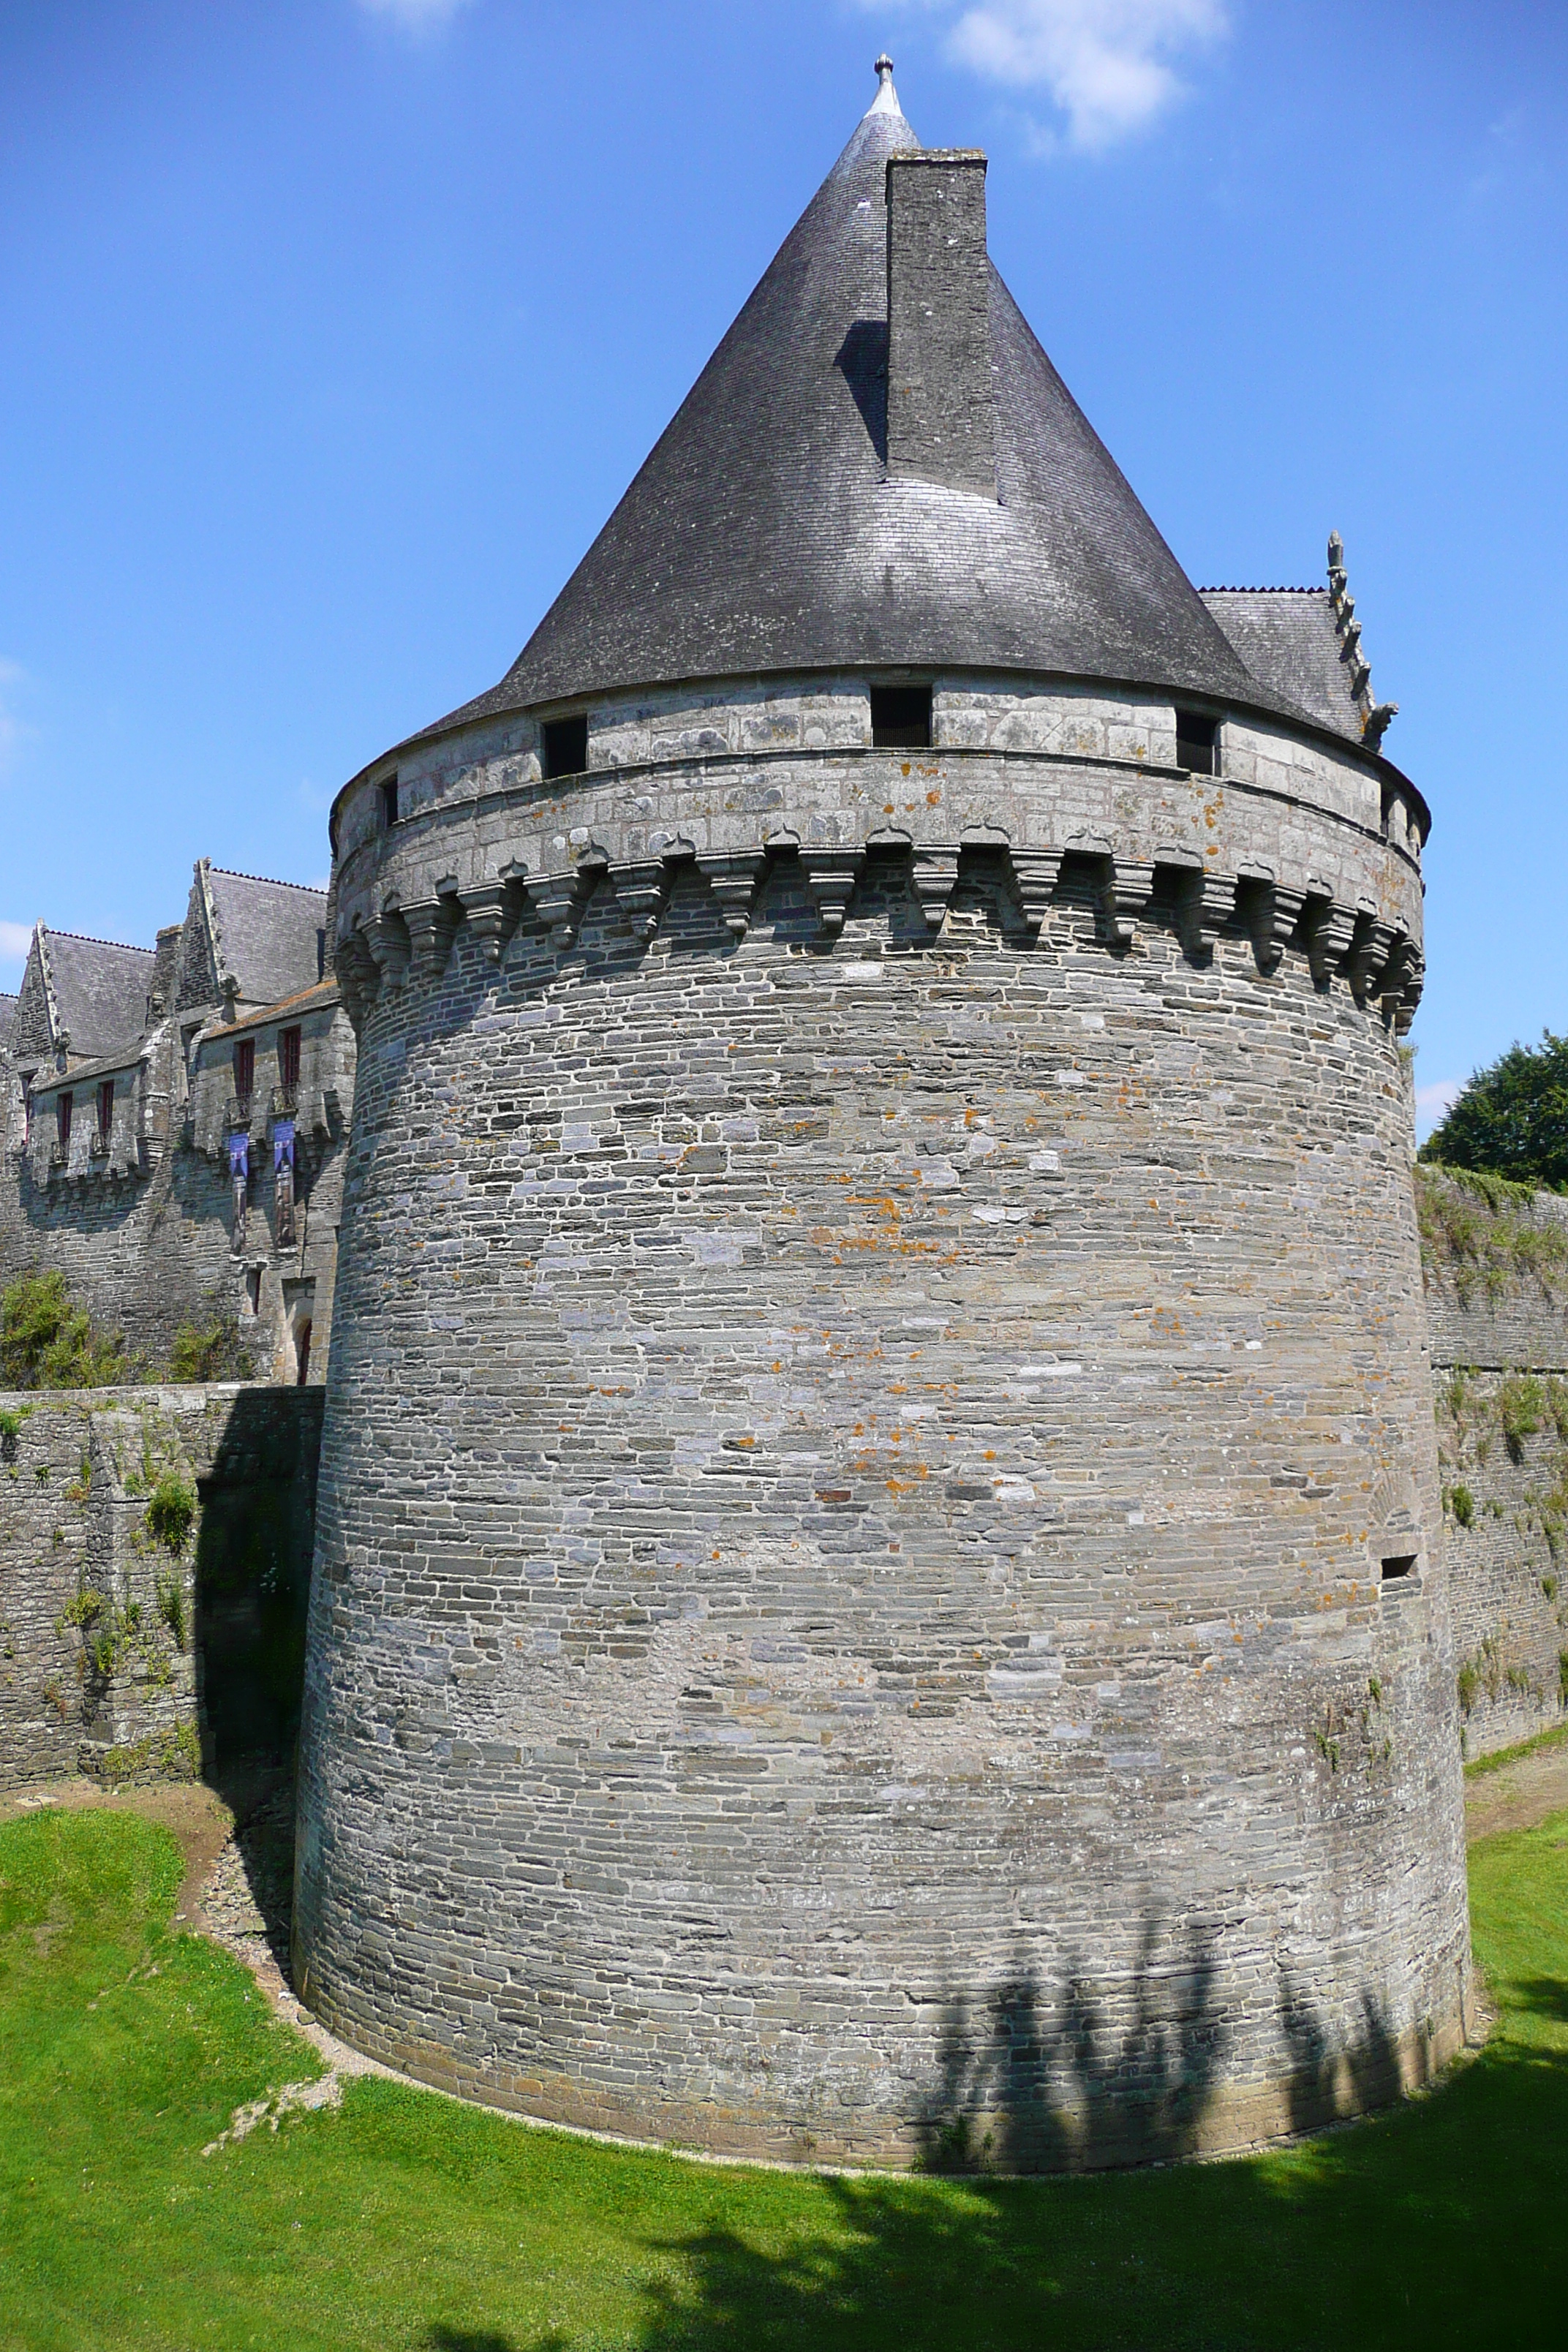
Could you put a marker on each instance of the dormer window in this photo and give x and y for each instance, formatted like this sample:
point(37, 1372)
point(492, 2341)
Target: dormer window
point(565, 746)
point(900, 717)
point(1196, 739)
point(63, 1119)
point(106, 1108)
point(389, 802)
point(289, 1059)
point(244, 1069)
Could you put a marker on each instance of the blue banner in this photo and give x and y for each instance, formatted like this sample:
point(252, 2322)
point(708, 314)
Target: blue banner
point(282, 1144)
point(239, 1155)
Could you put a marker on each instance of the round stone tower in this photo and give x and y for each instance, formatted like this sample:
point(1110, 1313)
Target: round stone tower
point(878, 1591)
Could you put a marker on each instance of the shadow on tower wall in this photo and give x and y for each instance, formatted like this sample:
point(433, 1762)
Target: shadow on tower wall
point(253, 1582)
point(1026, 2085)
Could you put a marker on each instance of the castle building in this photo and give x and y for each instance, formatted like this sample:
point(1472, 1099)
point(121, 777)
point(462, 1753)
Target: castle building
point(878, 1589)
point(174, 1123)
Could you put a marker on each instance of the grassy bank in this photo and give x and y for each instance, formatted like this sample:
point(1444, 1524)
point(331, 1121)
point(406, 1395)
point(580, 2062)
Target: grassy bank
point(401, 2221)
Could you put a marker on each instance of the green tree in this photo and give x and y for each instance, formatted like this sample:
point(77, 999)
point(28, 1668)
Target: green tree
point(1513, 1118)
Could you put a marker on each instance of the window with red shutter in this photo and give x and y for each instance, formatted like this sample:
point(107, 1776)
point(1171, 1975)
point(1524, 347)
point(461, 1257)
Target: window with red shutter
point(105, 1107)
point(245, 1068)
point(289, 1059)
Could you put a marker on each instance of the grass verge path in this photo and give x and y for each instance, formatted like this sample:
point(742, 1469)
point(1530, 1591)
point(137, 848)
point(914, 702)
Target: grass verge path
point(1518, 1788)
point(396, 2219)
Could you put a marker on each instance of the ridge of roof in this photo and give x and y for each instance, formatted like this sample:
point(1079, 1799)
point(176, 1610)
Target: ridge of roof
point(269, 881)
point(1240, 589)
point(86, 939)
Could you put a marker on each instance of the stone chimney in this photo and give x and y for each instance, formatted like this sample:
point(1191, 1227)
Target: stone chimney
point(940, 404)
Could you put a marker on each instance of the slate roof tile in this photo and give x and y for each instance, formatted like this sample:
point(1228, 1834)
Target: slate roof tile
point(761, 533)
point(100, 992)
point(271, 932)
point(1288, 639)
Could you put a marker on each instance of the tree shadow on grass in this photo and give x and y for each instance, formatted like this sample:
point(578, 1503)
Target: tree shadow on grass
point(1541, 1996)
point(1436, 2225)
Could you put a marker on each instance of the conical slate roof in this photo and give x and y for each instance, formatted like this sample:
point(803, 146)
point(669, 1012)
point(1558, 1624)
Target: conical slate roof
point(762, 533)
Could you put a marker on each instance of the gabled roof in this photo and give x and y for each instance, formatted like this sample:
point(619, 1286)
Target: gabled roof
point(269, 934)
point(1288, 640)
point(97, 991)
point(762, 533)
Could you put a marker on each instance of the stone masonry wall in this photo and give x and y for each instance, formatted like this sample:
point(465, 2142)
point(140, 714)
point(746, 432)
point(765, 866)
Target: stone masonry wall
point(145, 1253)
point(152, 1250)
point(850, 1614)
point(1496, 1266)
point(121, 1585)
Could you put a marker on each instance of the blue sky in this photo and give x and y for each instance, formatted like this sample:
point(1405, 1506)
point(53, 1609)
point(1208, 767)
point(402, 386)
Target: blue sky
point(334, 328)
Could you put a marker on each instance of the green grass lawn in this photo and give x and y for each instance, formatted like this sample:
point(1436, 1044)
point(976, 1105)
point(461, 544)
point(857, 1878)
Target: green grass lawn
point(400, 2220)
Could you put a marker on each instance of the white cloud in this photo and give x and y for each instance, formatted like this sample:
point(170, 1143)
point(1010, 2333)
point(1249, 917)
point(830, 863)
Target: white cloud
point(15, 938)
point(416, 16)
point(1108, 66)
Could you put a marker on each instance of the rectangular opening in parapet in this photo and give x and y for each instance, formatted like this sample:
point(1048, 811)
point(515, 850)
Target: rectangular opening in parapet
point(567, 746)
point(253, 1288)
point(900, 717)
point(1403, 1564)
point(389, 800)
point(1196, 742)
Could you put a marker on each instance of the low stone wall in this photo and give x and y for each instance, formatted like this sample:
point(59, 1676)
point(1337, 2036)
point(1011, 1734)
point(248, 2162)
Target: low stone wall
point(1496, 1264)
point(155, 1564)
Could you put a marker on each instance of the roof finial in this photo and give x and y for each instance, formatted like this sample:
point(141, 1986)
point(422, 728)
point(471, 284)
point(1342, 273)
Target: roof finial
point(886, 98)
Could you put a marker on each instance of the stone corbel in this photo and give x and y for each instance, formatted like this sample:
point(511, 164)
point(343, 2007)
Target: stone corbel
point(1330, 929)
point(1125, 899)
point(1210, 907)
point(387, 936)
point(830, 877)
point(1409, 997)
point(1275, 914)
point(1370, 957)
point(1395, 972)
point(358, 974)
point(561, 899)
point(731, 875)
point(935, 874)
point(643, 890)
point(432, 927)
point(491, 910)
point(1034, 877)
